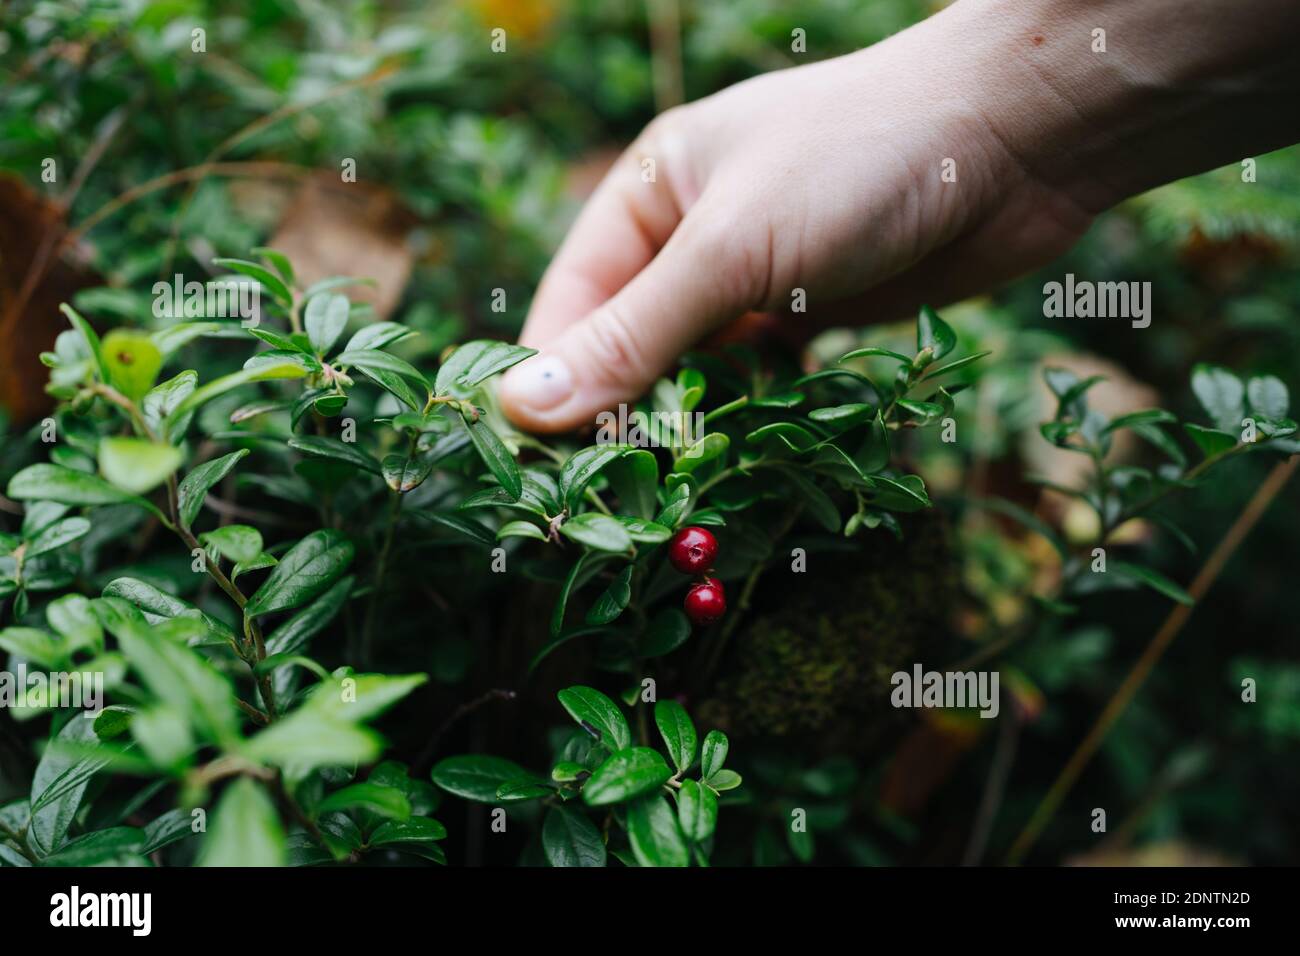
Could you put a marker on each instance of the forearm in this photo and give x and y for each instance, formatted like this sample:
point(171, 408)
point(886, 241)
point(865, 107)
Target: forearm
point(1180, 86)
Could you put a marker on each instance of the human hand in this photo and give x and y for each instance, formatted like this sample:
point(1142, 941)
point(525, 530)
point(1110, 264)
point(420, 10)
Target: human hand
point(965, 151)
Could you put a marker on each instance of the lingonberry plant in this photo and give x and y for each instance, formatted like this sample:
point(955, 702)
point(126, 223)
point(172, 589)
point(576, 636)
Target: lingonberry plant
point(239, 554)
point(1244, 417)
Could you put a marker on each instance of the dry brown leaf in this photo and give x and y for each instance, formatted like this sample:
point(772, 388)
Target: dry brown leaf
point(29, 314)
point(354, 229)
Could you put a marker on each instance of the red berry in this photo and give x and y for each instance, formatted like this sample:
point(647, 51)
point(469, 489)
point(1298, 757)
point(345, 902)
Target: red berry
point(705, 602)
point(692, 550)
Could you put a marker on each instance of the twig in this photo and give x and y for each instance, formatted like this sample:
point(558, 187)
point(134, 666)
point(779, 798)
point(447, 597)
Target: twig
point(422, 762)
point(1124, 694)
point(994, 788)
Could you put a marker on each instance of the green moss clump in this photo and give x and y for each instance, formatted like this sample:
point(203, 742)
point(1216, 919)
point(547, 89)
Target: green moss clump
point(816, 656)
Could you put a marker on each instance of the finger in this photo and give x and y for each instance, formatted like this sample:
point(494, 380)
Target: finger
point(617, 351)
point(624, 224)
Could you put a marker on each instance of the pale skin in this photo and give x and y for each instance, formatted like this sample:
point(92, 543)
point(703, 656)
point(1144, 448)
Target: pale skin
point(828, 178)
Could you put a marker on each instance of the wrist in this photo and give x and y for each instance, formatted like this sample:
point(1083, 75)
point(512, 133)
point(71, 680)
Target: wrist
point(1101, 100)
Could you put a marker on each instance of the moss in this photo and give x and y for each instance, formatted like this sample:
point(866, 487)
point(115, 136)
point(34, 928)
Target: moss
point(818, 650)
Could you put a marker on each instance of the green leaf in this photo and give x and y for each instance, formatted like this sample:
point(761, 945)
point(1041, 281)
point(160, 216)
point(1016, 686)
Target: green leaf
point(723, 780)
point(321, 446)
point(245, 830)
point(394, 384)
point(219, 386)
point(93, 345)
point(1152, 579)
point(570, 839)
point(159, 402)
point(634, 476)
point(60, 782)
point(903, 494)
point(56, 535)
point(373, 360)
point(797, 437)
point(647, 532)
point(1221, 394)
point(498, 459)
point(678, 732)
point(927, 412)
point(46, 482)
point(841, 417)
point(167, 829)
point(476, 361)
point(597, 531)
point(325, 318)
point(934, 333)
point(378, 335)
point(655, 834)
point(476, 776)
point(520, 529)
point(524, 788)
point(137, 465)
point(173, 337)
point(176, 675)
point(324, 731)
point(269, 280)
point(73, 619)
point(462, 526)
point(1150, 416)
point(679, 503)
point(599, 715)
point(668, 631)
point(562, 601)
point(158, 606)
point(309, 567)
point(238, 542)
point(133, 361)
point(953, 366)
point(624, 775)
point(1211, 441)
point(874, 453)
point(278, 259)
point(714, 753)
point(415, 830)
point(194, 486)
point(387, 802)
point(581, 468)
point(697, 811)
point(100, 848)
point(1268, 396)
point(867, 352)
point(164, 735)
point(612, 602)
point(292, 636)
point(699, 454)
point(32, 644)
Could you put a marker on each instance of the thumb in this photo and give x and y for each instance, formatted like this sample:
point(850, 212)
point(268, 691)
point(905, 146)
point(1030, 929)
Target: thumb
point(617, 351)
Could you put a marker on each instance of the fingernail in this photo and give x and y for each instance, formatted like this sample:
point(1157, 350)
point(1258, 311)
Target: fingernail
point(541, 383)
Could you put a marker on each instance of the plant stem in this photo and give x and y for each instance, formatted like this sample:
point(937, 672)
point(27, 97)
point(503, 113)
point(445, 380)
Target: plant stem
point(381, 565)
point(257, 651)
point(1172, 625)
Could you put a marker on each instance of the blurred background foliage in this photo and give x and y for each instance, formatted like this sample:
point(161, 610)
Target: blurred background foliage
point(472, 163)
